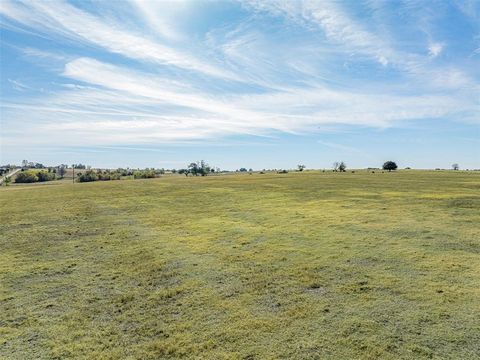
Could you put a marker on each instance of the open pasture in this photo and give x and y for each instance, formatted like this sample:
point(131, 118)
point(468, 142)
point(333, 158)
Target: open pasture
point(306, 265)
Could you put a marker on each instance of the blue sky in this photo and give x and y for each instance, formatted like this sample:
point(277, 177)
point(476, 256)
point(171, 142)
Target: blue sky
point(261, 84)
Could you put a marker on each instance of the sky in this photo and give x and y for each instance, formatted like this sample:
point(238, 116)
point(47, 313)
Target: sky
point(256, 83)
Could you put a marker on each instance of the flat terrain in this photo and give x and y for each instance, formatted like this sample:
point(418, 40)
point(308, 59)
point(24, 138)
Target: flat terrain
point(296, 266)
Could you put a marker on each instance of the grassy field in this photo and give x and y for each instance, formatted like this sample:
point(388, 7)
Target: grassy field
point(297, 266)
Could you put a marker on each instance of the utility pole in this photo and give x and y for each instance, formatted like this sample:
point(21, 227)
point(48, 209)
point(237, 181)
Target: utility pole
point(73, 176)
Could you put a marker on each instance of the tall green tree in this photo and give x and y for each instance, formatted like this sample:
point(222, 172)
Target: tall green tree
point(389, 165)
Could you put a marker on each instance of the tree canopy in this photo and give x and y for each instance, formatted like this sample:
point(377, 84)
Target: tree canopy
point(389, 165)
point(339, 166)
point(199, 168)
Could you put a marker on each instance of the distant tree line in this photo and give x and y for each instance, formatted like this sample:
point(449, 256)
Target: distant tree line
point(106, 175)
point(80, 166)
point(341, 166)
point(145, 174)
point(98, 175)
point(31, 165)
point(37, 172)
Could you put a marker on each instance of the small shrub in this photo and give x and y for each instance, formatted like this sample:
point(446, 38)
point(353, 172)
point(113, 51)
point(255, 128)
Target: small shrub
point(26, 177)
point(87, 176)
point(7, 180)
point(45, 176)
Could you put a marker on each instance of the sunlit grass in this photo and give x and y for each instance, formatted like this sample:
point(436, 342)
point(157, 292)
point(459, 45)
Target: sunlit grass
point(300, 265)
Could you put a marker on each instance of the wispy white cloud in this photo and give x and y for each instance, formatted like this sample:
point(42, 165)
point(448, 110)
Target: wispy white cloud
point(160, 16)
point(17, 85)
point(243, 80)
point(38, 54)
point(335, 23)
point(355, 38)
point(435, 49)
point(60, 19)
point(118, 105)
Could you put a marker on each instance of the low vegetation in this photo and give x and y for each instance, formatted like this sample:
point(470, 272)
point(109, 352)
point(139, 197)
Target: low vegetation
point(144, 174)
point(32, 176)
point(106, 175)
point(305, 265)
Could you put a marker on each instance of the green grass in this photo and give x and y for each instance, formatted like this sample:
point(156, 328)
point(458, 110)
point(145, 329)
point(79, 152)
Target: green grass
point(303, 265)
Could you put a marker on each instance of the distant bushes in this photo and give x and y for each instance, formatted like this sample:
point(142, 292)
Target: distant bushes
point(32, 176)
point(99, 175)
point(45, 176)
point(88, 176)
point(107, 175)
point(144, 174)
point(125, 172)
point(26, 177)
